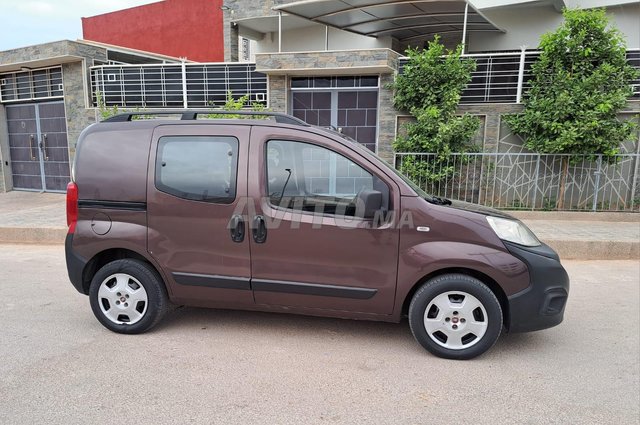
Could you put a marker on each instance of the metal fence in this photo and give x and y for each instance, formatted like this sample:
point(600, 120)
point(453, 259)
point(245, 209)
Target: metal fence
point(529, 181)
point(186, 85)
point(36, 84)
point(504, 77)
point(499, 78)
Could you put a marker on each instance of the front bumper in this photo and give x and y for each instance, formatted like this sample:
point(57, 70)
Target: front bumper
point(542, 304)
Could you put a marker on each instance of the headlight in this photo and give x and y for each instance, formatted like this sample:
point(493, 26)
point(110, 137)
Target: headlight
point(513, 231)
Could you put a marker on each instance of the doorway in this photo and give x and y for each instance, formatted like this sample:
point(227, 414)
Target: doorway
point(38, 146)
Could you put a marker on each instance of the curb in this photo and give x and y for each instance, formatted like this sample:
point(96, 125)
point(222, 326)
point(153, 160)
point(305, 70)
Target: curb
point(607, 217)
point(595, 250)
point(567, 249)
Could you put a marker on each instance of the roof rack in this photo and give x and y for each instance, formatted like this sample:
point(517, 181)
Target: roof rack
point(192, 114)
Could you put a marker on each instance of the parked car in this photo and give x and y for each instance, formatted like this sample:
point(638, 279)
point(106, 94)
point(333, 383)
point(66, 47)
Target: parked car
point(276, 215)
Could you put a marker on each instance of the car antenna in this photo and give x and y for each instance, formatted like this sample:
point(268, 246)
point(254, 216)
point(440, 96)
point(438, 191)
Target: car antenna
point(288, 170)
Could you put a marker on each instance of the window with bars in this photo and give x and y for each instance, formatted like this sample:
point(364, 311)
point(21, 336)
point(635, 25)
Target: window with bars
point(31, 84)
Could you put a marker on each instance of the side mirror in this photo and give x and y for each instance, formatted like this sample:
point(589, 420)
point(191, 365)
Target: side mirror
point(368, 202)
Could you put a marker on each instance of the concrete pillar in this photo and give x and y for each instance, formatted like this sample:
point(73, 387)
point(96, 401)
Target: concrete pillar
point(230, 33)
point(386, 118)
point(76, 100)
point(278, 93)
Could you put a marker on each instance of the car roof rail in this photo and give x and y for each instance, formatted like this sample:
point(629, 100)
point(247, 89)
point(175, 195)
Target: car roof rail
point(192, 114)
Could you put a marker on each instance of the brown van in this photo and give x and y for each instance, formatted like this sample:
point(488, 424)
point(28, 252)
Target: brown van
point(276, 215)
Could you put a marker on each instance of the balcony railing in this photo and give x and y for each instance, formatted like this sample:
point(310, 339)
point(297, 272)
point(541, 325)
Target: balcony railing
point(187, 85)
point(504, 77)
point(498, 78)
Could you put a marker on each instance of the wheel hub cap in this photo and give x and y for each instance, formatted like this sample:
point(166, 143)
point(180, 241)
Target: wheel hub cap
point(455, 320)
point(122, 299)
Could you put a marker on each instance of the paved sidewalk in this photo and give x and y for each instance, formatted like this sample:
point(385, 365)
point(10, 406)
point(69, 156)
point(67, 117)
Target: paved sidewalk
point(28, 217)
point(32, 217)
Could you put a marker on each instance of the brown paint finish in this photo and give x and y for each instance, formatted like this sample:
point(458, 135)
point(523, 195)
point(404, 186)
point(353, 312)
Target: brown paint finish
point(99, 177)
point(351, 254)
point(188, 236)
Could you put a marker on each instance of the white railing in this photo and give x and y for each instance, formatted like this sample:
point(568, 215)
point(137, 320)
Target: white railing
point(186, 85)
point(529, 181)
point(31, 84)
point(504, 77)
point(498, 78)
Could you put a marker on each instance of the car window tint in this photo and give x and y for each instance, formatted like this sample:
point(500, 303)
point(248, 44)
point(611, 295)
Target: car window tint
point(199, 168)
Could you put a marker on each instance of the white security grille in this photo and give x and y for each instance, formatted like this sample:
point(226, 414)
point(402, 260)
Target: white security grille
point(177, 85)
point(32, 84)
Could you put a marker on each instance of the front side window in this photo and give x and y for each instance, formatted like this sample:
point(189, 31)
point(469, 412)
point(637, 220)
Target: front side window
point(311, 178)
point(198, 168)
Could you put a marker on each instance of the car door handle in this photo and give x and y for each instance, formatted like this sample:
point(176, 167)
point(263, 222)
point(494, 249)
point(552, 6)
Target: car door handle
point(236, 228)
point(259, 229)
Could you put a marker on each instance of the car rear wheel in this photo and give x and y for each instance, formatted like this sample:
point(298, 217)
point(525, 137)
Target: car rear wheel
point(128, 296)
point(455, 316)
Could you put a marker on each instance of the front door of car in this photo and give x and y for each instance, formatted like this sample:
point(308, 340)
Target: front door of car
point(308, 247)
point(197, 179)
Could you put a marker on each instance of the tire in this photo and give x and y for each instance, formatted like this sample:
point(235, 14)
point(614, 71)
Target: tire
point(128, 296)
point(455, 316)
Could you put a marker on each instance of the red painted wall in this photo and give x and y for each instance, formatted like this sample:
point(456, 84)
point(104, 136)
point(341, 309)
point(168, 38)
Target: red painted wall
point(180, 28)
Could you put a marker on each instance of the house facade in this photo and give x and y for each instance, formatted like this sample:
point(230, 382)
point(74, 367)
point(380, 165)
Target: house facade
point(328, 62)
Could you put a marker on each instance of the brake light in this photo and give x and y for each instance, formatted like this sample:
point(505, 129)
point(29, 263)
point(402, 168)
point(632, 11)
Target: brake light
point(72, 206)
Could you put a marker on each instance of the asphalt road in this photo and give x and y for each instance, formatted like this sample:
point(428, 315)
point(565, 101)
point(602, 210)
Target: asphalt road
point(60, 366)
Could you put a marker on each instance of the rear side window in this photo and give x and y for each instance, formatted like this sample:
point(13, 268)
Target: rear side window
point(199, 168)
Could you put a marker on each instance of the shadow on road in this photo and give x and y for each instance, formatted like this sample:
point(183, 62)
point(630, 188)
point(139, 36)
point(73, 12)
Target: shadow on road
point(277, 325)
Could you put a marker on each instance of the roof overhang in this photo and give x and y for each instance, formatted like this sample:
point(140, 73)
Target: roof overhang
point(401, 19)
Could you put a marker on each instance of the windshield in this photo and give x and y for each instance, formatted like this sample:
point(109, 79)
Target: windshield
point(404, 178)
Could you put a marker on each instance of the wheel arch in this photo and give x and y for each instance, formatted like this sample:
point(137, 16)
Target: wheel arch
point(487, 280)
point(109, 255)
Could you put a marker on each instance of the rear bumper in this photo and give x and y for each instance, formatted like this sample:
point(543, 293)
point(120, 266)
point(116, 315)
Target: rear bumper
point(75, 264)
point(542, 304)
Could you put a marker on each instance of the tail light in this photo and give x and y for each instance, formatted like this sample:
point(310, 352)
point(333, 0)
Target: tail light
point(72, 206)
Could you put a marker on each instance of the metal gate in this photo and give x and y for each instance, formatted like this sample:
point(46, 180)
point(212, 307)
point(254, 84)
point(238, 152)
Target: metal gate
point(38, 146)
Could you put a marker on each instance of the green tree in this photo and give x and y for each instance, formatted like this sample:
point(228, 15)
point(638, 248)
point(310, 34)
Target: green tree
point(579, 84)
point(430, 88)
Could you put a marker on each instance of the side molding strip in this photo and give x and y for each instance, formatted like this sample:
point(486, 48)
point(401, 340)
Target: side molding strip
point(112, 205)
point(312, 289)
point(212, 281)
point(264, 285)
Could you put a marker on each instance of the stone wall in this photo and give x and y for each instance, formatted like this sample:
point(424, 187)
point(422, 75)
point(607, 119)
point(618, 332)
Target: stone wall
point(495, 136)
point(355, 61)
point(386, 118)
point(278, 93)
point(76, 102)
point(52, 50)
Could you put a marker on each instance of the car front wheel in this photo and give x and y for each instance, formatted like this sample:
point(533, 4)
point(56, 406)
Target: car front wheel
point(455, 316)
